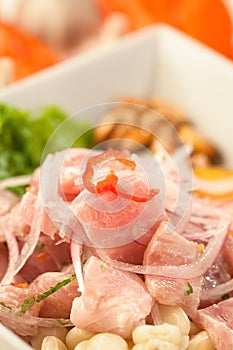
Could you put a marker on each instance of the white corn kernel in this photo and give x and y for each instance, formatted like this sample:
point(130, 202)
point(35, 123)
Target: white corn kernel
point(52, 343)
point(175, 315)
point(82, 346)
point(168, 332)
point(59, 332)
point(75, 336)
point(156, 344)
point(201, 341)
point(184, 342)
point(107, 341)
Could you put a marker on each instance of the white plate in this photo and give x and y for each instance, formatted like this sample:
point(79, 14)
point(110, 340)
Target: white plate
point(158, 61)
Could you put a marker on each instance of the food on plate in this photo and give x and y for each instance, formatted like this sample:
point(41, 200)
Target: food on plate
point(90, 259)
point(26, 53)
point(204, 152)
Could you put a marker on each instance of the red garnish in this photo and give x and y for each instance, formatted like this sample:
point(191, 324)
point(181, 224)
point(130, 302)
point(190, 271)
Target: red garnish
point(145, 198)
point(111, 180)
point(108, 184)
point(129, 163)
point(19, 285)
point(41, 257)
point(101, 158)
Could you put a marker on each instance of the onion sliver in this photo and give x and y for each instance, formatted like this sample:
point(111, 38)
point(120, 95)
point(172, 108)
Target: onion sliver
point(76, 252)
point(29, 245)
point(184, 272)
point(218, 291)
point(15, 181)
point(13, 250)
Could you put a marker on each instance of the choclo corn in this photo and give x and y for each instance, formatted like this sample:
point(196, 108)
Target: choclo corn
point(200, 341)
point(176, 316)
point(156, 344)
point(166, 332)
point(52, 343)
point(107, 341)
point(184, 342)
point(82, 346)
point(59, 332)
point(76, 336)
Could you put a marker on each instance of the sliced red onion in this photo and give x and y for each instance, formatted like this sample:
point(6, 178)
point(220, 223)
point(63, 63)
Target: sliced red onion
point(225, 205)
point(155, 314)
point(7, 201)
point(15, 181)
point(51, 322)
point(217, 292)
point(57, 209)
point(29, 245)
point(184, 272)
point(9, 316)
point(76, 252)
point(99, 160)
point(13, 250)
point(92, 163)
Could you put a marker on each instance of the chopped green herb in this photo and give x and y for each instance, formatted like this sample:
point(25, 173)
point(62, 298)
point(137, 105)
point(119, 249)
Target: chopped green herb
point(190, 290)
point(3, 304)
point(225, 296)
point(103, 268)
point(40, 246)
point(63, 323)
point(64, 263)
point(55, 288)
point(27, 304)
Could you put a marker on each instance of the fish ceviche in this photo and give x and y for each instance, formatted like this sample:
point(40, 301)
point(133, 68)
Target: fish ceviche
point(90, 259)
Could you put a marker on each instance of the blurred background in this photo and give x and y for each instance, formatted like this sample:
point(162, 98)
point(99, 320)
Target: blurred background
point(37, 34)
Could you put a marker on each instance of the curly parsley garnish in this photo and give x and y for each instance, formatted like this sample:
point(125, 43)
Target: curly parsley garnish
point(190, 290)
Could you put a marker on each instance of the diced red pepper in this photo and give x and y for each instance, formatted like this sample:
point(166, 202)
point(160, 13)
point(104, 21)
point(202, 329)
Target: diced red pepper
point(19, 285)
point(108, 184)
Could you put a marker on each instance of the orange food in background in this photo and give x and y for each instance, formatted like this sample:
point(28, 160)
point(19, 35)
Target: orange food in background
point(209, 22)
point(205, 20)
point(28, 53)
point(213, 174)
